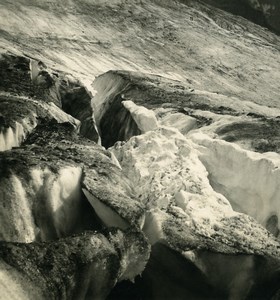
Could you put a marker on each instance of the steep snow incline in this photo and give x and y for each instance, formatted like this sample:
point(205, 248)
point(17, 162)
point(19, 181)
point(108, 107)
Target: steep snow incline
point(204, 47)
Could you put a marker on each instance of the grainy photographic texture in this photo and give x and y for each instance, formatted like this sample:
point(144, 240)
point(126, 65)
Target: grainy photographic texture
point(139, 149)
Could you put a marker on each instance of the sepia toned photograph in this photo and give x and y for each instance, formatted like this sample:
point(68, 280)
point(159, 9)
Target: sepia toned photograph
point(139, 149)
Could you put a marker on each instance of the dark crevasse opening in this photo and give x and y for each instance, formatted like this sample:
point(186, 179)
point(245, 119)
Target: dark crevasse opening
point(169, 275)
point(266, 285)
point(77, 102)
point(117, 124)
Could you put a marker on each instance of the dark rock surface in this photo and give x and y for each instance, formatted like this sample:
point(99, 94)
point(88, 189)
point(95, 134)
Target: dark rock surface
point(79, 267)
point(262, 12)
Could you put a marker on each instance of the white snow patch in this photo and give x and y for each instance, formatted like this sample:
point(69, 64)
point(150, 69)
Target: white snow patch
point(105, 213)
point(180, 121)
point(153, 225)
point(249, 180)
point(166, 171)
point(143, 117)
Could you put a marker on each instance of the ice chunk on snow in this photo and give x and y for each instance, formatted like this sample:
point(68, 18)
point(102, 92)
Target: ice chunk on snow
point(180, 121)
point(105, 213)
point(167, 172)
point(143, 117)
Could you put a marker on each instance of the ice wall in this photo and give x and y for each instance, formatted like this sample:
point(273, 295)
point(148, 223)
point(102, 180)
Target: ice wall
point(41, 206)
point(250, 181)
point(17, 220)
point(13, 136)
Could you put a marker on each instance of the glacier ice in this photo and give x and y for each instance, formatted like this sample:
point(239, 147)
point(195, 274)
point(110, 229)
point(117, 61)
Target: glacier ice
point(17, 221)
point(13, 137)
point(83, 266)
point(247, 179)
point(144, 118)
point(105, 213)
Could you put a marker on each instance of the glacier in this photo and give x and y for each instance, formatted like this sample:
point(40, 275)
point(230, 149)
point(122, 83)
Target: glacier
point(139, 151)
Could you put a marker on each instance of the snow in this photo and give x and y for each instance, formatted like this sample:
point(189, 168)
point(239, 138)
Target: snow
point(58, 114)
point(41, 206)
point(165, 169)
point(153, 225)
point(249, 180)
point(12, 137)
point(143, 117)
point(62, 195)
point(115, 160)
point(180, 121)
point(105, 213)
point(105, 88)
point(17, 222)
